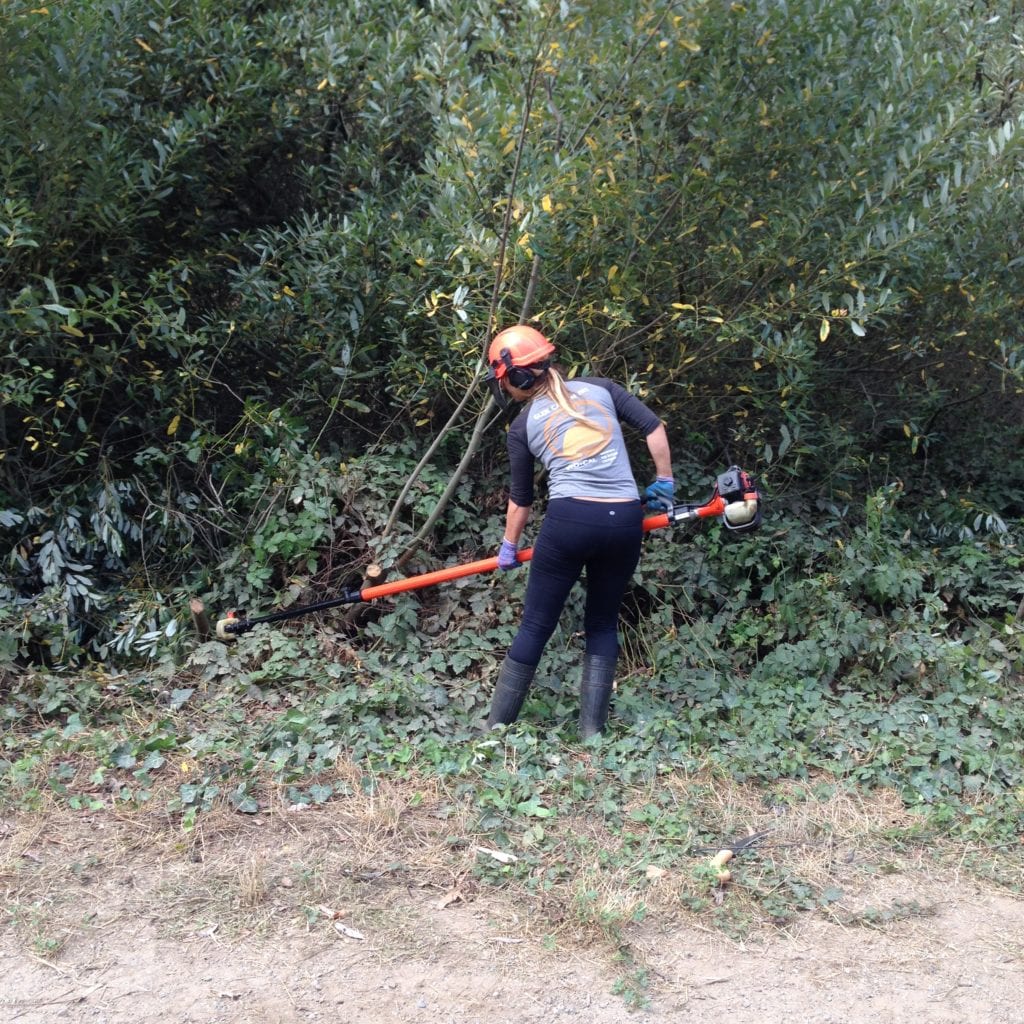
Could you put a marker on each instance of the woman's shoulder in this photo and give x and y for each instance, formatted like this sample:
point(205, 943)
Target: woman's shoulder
point(598, 382)
point(518, 425)
point(581, 385)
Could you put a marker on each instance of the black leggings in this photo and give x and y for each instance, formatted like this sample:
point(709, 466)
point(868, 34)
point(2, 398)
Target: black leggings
point(601, 537)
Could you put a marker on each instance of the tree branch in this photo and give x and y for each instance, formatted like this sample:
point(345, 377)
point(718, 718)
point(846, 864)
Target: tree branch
point(483, 415)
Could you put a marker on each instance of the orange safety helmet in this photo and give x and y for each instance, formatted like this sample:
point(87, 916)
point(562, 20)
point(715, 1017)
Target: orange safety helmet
point(517, 346)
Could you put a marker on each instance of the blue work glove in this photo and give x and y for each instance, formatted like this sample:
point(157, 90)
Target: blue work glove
point(507, 555)
point(661, 495)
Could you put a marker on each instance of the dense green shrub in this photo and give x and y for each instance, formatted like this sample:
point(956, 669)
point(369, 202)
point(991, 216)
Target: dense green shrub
point(243, 242)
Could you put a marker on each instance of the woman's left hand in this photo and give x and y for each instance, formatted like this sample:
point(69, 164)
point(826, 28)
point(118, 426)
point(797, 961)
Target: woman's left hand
point(507, 555)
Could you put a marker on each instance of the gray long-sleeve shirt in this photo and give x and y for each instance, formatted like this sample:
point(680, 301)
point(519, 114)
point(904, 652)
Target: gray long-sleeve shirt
point(582, 461)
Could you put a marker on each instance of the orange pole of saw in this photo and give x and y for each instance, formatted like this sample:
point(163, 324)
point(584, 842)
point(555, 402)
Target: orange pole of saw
point(715, 507)
point(236, 623)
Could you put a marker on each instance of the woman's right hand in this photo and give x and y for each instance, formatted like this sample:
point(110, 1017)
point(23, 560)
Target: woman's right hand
point(661, 495)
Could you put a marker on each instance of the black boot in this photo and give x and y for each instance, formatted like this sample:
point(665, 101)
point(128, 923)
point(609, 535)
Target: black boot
point(595, 693)
point(509, 692)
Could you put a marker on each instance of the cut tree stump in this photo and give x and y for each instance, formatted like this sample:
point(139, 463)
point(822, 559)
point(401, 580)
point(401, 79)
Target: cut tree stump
point(358, 615)
point(199, 619)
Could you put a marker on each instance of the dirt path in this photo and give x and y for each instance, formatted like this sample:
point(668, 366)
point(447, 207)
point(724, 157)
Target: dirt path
point(111, 920)
point(958, 967)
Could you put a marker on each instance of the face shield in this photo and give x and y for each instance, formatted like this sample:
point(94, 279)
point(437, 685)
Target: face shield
point(498, 393)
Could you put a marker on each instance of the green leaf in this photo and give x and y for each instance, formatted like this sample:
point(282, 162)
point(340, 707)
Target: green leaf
point(178, 697)
point(244, 803)
point(533, 808)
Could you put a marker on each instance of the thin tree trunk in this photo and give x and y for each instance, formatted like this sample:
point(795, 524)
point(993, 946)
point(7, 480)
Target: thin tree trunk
point(484, 414)
point(471, 449)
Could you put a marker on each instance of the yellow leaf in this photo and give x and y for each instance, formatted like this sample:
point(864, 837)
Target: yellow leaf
point(716, 320)
point(906, 429)
point(757, 365)
point(509, 146)
point(288, 291)
point(681, 305)
point(688, 44)
point(73, 331)
point(322, 85)
point(824, 329)
point(545, 204)
point(612, 271)
point(172, 427)
point(144, 44)
point(757, 224)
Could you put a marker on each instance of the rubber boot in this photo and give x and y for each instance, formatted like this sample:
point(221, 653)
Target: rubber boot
point(595, 694)
point(509, 692)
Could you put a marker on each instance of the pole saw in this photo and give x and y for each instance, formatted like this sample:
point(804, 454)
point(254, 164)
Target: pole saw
point(736, 501)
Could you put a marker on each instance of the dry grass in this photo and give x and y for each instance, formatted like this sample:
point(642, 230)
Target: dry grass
point(392, 851)
point(398, 862)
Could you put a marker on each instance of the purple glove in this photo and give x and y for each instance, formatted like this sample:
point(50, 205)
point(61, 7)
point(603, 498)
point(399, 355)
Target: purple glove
point(507, 555)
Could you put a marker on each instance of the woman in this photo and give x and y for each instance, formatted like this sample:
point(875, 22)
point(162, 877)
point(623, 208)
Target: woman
point(593, 519)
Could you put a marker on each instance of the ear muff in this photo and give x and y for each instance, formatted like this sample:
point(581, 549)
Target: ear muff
point(522, 377)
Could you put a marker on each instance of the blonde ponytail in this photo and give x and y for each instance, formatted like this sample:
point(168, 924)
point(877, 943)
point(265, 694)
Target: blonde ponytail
point(554, 387)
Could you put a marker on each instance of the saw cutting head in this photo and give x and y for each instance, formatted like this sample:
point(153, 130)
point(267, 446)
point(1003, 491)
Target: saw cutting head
point(229, 627)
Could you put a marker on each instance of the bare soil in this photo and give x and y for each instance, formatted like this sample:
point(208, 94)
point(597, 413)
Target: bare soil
point(373, 914)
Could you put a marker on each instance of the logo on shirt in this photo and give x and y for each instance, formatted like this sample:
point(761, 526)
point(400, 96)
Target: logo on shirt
point(573, 440)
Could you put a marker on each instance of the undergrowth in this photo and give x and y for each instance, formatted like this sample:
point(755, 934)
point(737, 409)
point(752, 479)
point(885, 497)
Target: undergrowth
point(868, 659)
